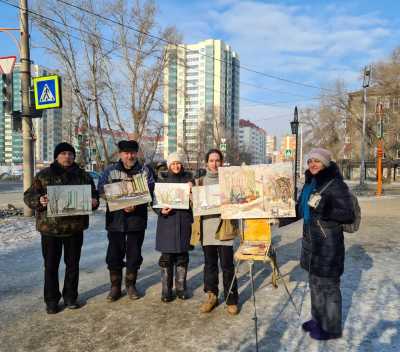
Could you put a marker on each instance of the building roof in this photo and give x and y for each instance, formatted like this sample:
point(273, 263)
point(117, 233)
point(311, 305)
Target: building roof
point(248, 123)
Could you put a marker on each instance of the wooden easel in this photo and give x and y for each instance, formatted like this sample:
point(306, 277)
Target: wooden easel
point(258, 232)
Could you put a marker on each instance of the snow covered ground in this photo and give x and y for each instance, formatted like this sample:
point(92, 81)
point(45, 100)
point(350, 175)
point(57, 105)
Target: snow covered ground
point(370, 289)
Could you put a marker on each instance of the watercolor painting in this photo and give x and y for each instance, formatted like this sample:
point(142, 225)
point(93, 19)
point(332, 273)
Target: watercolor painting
point(257, 191)
point(206, 200)
point(133, 191)
point(171, 195)
point(69, 200)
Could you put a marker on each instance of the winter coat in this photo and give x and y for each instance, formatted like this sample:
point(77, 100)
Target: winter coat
point(322, 251)
point(55, 174)
point(119, 220)
point(174, 229)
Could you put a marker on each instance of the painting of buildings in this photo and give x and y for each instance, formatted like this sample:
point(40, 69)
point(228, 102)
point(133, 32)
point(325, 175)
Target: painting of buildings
point(206, 200)
point(133, 191)
point(69, 200)
point(257, 191)
point(171, 195)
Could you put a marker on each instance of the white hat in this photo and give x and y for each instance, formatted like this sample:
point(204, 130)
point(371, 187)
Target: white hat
point(174, 157)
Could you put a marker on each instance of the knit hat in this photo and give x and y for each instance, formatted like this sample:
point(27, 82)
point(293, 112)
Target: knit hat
point(63, 147)
point(174, 157)
point(323, 155)
point(128, 146)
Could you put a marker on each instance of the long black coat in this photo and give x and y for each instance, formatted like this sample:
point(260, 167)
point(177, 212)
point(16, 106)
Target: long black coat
point(322, 251)
point(174, 230)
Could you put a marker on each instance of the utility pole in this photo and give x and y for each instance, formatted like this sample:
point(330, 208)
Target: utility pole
point(366, 80)
point(25, 92)
point(379, 152)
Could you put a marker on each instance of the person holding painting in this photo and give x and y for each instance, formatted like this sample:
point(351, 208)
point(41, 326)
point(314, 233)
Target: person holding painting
point(216, 237)
point(173, 234)
point(125, 227)
point(60, 233)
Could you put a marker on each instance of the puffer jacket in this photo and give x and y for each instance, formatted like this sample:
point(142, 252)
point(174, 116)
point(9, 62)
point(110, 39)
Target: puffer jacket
point(57, 175)
point(174, 230)
point(323, 249)
point(120, 221)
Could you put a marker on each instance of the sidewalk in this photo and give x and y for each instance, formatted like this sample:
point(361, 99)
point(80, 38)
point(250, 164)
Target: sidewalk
point(370, 289)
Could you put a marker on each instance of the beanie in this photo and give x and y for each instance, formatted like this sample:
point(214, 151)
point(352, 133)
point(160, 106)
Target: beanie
point(63, 147)
point(323, 155)
point(174, 157)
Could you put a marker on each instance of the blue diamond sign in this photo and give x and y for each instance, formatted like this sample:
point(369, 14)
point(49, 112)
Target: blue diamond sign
point(47, 92)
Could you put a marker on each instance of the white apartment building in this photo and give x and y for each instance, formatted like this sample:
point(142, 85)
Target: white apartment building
point(201, 97)
point(252, 140)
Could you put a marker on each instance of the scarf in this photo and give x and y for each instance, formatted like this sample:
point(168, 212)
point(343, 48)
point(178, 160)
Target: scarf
point(305, 196)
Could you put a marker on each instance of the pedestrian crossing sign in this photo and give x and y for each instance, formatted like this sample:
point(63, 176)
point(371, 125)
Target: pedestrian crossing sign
point(47, 92)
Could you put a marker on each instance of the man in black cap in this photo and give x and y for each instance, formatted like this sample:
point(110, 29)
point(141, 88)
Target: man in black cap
point(58, 233)
point(126, 227)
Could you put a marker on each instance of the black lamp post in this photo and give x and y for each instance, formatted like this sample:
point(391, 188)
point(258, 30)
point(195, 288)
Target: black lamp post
point(295, 130)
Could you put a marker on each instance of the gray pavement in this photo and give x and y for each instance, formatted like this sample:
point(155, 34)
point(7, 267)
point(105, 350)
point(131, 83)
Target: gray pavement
point(370, 288)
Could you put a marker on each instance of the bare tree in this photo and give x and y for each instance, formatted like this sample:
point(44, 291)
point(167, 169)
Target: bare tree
point(125, 98)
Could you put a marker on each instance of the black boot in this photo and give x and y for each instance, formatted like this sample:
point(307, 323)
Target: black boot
point(166, 281)
point(116, 281)
point(180, 281)
point(130, 284)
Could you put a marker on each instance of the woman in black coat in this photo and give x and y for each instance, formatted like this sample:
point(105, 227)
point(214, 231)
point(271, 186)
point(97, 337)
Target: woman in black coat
point(174, 227)
point(324, 204)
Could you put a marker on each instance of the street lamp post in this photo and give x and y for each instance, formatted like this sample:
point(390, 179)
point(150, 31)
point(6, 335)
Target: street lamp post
point(366, 80)
point(295, 129)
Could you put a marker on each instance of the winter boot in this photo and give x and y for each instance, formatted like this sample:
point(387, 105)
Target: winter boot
point(130, 284)
point(210, 303)
point(180, 281)
point(116, 280)
point(233, 309)
point(166, 282)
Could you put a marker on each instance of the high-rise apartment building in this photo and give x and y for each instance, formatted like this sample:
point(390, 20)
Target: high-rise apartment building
point(201, 97)
point(252, 141)
point(270, 148)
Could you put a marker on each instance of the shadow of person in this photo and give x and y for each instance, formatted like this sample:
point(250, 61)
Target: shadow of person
point(383, 337)
point(356, 261)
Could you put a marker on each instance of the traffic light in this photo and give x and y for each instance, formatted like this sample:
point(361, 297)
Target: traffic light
point(7, 91)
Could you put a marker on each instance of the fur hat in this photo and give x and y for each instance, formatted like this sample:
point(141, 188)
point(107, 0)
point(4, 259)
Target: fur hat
point(323, 155)
point(174, 157)
point(128, 146)
point(63, 147)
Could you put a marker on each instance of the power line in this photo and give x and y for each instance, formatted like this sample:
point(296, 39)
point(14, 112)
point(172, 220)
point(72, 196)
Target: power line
point(183, 47)
point(255, 102)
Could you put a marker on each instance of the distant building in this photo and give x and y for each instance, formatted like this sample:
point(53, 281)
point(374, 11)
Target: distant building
point(252, 140)
point(201, 97)
point(270, 148)
point(391, 124)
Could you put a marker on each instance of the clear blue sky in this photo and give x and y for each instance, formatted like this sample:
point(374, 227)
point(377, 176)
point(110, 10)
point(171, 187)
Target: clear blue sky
point(315, 42)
